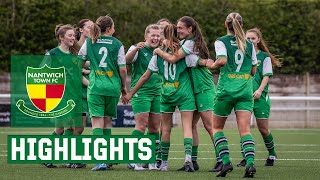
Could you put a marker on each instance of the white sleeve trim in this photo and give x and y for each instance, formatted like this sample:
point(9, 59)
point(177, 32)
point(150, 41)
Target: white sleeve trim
point(220, 48)
point(192, 60)
point(254, 56)
point(135, 56)
point(188, 47)
point(83, 50)
point(153, 64)
point(121, 56)
point(267, 66)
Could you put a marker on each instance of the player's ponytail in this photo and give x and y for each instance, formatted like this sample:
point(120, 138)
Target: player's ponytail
point(171, 36)
point(234, 24)
point(95, 32)
point(102, 25)
point(56, 32)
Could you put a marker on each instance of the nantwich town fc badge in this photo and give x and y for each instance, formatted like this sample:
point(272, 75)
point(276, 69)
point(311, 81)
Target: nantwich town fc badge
point(45, 87)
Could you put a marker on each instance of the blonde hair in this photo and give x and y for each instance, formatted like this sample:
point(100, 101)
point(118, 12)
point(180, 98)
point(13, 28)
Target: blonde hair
point(234, 24)
point(60, 31)
point(151, 26)
point(171, 35)
point(102, 24)
point(262, 45)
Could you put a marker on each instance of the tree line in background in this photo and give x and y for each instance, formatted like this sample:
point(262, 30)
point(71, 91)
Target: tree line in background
point(291, 27)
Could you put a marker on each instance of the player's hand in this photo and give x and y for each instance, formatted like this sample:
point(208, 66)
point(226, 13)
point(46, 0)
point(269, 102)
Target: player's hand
point(123, 92)
point(209, 63)
point(85, 71)
point(126, 98)
point(257, 94)
point(176, 45)
point(140, 45)
point(157, 51)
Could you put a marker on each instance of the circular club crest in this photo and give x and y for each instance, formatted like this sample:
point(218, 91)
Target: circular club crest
point(259, 62)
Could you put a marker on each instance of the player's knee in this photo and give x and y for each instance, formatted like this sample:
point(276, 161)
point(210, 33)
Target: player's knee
point(78, 131)
point(194, 125)
point(209, 128)
point(154, 125)
point(153, 129)
point(264, 131)
point(166, 130)
point(141, 127)
point(194, 128)
point(59, 131)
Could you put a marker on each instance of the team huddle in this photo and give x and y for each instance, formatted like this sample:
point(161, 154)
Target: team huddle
point(172, 68)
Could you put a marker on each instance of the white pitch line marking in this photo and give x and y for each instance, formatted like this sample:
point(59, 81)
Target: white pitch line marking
point(47, 133)
point(257, 144)
point(4, 151)
point(257, 151)
point(254, 159)
point(290, 145)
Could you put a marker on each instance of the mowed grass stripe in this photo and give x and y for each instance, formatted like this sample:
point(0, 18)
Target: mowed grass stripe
point(177, 158)
point(297, 145)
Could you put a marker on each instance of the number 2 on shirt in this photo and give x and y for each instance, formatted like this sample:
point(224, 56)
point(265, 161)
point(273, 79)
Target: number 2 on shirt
point(103, 50)
point(238, 58)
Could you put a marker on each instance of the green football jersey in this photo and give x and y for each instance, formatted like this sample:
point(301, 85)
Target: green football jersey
point(201, 77)
point(56, 57)
point(105, 56)
point(60, 60)
point(85, 88)
point(176, 85)
point(264, 68)
point(57, 52)
point(54, 52)
point(139, 66)
point(235, 77)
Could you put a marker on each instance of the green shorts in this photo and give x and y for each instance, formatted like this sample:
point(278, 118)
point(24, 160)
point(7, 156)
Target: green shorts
point(84, 105)
point(145, 103)
point(224, 108)
point(73, 122)
point(63, 123)
point(102, 106)
point(188, 105)
point(204, 100)
point(261, 107)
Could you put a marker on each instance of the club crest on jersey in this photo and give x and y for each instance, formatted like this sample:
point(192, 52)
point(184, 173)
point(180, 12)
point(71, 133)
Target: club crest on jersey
point(45, 87)
point(258, 63)
point(145, 54)
point(233, 43)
